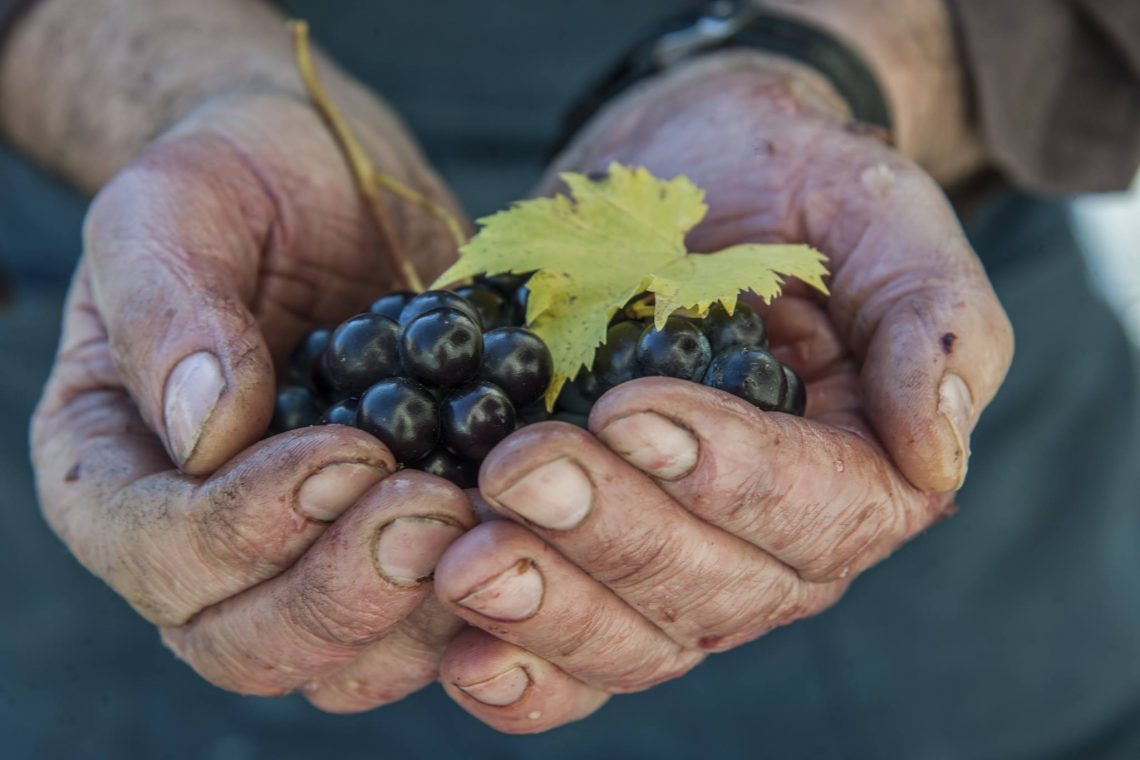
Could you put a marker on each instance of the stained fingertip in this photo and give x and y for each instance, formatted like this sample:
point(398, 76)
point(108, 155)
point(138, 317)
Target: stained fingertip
point(510, 689)
point(408, 548)
point(653, 443)
point(499, 690)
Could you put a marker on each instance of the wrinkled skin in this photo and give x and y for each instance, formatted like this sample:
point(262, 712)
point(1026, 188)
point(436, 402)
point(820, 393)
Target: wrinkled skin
point(693, 522)
point(233, 235)
point(689, 522)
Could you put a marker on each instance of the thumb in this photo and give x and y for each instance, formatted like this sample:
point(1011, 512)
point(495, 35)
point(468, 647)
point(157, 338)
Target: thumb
point(918, 308)
point(174, 247)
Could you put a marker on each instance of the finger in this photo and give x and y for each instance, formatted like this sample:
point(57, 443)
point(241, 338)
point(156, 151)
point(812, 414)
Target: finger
point(704, 587)
point(361, 578)
point(918, 308)
point(174, 244)
point(818, 497)
point(169, 543)
point(510, 689)
point(403, 662)
point(504, 579)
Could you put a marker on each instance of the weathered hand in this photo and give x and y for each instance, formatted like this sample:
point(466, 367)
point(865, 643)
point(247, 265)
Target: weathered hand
point(204, 261)
point(694, 522)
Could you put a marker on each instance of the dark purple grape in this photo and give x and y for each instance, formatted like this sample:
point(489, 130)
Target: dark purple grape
point(577, 420)
point(322, 383)
point(475, 418)
point(516, 360)
point(442, 348)
point(363, 350)
point(745, 328)
point(442, 463)
point(795, 399)
point(341, 413)
point(438, 299)
point(678, 350)
point(403, 415)
point(295, 407)
point(529, 415)
point(490, 303)
point(303, 359)
point(392, 304)
point(506, 283)
point(616, 360)
point(753, 374)
point(518, 302)
point(578, 395)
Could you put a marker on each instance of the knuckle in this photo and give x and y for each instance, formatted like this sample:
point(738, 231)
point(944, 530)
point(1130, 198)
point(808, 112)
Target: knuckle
point(644, 559)
point(216, 661)
point(348, 696)
point(747, 607)
point(861, 535)
point(223, 536)
point(654, 670)
point(319, 615)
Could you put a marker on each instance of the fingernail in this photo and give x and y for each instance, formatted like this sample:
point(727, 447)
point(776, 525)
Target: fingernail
point(501, 690)
point(957, 405)
point(192, 393)
point(336, 487)
point(409, 548)
point(556, 495)
point(653, 444)
point(512, 595)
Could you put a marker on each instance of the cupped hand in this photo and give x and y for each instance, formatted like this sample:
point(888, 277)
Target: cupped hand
point(204, 261)
point(691, 522)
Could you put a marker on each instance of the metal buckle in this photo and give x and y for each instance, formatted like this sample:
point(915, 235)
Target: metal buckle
point(722, 20)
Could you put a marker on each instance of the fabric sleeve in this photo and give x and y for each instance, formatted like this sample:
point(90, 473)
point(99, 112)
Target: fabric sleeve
point(1057, 89)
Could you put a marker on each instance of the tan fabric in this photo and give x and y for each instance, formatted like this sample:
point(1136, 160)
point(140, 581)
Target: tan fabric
point(1057, 89)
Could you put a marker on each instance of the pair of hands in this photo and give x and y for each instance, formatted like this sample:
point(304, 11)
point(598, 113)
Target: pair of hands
point(586, 565)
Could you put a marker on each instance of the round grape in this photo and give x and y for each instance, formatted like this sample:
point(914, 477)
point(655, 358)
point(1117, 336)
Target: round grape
point(752, 374)
point(303, 359)
point(442, 348)
point(516, 360)
point(795, 399)
point(392, 304)
point(577, 420)
point(403, 415)
point(578, 395)
point(341, 413)
point(518, 302)
point(678, 350)
point(616, 360)
point(438, 299)
point(506, 283)
point(295, 407)
point(492, 307)
point(475, 418)
point(529, 415)
point(442, 463)
point(363, 350)
point(745, 328)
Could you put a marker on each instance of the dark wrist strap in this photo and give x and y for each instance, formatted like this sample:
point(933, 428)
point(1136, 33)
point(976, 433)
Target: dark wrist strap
point(726, 25)
point(10, 10)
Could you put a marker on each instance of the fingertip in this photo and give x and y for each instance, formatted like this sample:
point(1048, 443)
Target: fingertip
point(510, 689)
point(216, 404)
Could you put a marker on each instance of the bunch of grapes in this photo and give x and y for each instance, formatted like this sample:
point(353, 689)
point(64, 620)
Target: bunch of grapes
point(438, 377)
point(723, 351)
point(441, 377)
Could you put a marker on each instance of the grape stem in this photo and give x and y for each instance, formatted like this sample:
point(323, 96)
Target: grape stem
point(369, 180)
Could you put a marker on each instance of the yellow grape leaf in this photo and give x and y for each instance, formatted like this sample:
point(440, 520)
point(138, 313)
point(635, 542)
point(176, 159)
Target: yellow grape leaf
point(616, 237)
